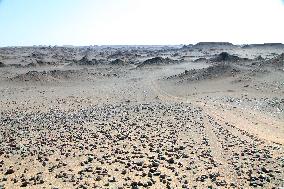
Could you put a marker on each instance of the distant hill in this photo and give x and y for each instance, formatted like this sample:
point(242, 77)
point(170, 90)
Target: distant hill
point(264, 45)
point(205, 45)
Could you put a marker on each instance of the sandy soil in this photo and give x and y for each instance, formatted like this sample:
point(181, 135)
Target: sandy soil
point(142, 117)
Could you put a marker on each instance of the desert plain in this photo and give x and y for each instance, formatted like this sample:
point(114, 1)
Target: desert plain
point(209, 115)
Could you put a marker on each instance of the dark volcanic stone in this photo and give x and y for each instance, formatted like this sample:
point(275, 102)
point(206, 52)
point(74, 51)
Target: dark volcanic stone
point(2, 64)
point(263, 169)
point(9, 171)
point(25, 184)
point(171, 161)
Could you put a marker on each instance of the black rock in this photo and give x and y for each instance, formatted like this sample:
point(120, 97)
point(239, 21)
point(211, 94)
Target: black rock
point(134, 185)
point(25, 184)
point(2, 64)
point(9, 171)
point(155, 164)
point(171, 161)
point(263, 169)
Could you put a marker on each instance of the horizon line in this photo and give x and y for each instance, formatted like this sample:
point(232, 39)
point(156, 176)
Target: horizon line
point(124, 45)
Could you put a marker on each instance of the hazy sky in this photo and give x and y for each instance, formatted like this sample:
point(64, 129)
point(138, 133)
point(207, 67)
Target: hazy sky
point(89, 22)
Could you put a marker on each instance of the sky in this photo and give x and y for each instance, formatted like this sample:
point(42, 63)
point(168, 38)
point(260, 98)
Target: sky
point(139, 22)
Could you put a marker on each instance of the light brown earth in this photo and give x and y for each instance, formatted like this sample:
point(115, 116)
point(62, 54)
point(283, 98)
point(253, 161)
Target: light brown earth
point(109, 123)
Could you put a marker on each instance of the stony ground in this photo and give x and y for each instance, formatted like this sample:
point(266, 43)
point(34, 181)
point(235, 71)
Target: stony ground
point(125, 127)
point(132, 145)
